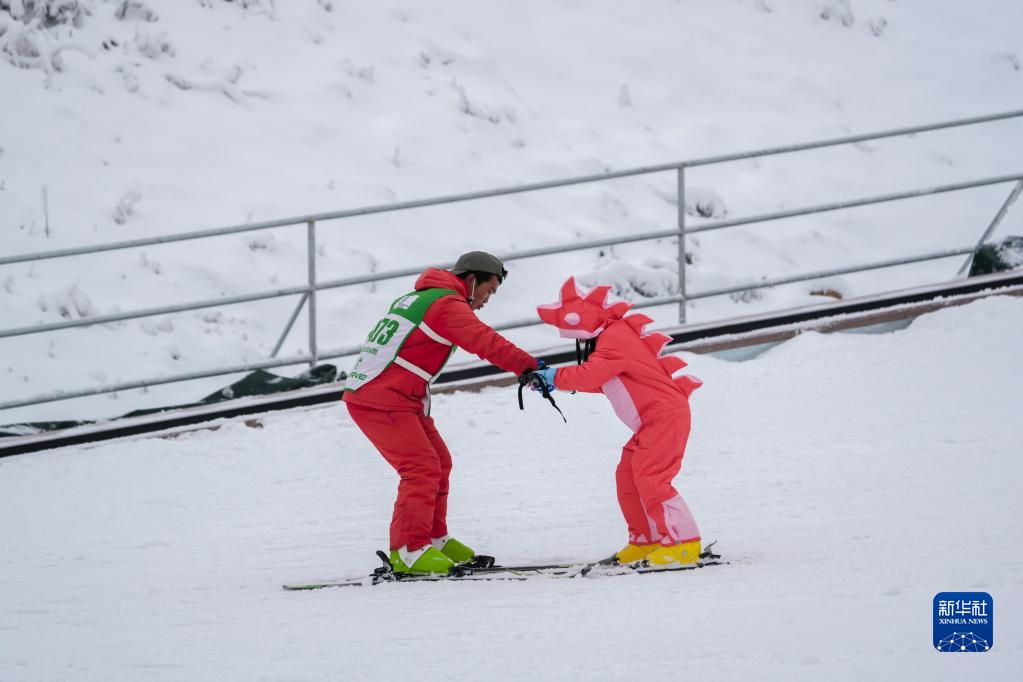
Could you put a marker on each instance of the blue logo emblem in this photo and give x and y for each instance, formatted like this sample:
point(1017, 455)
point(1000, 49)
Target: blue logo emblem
point(963, 622)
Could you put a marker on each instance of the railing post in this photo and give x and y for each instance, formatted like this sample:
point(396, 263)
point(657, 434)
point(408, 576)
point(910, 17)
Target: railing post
point(311, 241)
point(682, 244)
point(1013, 195)
point(287, 327)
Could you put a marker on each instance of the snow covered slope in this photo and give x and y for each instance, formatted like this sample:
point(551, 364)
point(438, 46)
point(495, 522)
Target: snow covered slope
point(849, 478)
point(128, 118)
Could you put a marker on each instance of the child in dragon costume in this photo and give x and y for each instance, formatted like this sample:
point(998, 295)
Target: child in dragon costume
point(651, 395)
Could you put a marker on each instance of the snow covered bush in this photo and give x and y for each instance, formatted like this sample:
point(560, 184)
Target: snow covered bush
point(837, 10)
point(267, 7)
point(653, 278)
point(48, 13)
point(747, 296)
point(28, 36)
point(70, 303)
point(134, 10)
point(152, 46)
point(700, 201)
point(263, 242)
point(126, 206)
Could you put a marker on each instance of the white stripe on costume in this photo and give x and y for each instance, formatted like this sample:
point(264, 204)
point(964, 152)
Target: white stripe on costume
point(433, 335)
point(622, 403)
point(419, 372)
point(680, 521)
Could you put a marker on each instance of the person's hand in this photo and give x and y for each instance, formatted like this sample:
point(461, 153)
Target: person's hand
point(546, 374)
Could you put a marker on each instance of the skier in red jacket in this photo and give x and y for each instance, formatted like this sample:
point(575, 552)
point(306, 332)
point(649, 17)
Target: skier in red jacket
point(650, 394)
point(388, 396)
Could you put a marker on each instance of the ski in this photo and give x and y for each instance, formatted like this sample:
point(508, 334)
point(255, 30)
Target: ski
point(707, 554)
point(485, 570)
point(518, 573)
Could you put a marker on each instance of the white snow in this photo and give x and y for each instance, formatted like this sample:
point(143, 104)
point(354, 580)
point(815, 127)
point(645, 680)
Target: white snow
point(849, 478)
point(147, 117)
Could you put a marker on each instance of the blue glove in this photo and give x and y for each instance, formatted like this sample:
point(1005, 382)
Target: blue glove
point(547, 374)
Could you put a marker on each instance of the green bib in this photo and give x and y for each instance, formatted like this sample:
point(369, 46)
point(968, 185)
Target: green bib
point(390, 334)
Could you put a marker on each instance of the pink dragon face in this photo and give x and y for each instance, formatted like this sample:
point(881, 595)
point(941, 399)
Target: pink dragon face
point(579, 316)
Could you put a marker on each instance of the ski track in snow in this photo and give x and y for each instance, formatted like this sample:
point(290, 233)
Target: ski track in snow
point(849, 478)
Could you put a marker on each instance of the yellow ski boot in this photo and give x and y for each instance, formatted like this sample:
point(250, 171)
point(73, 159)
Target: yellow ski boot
point(682, 553)
point(632, 553)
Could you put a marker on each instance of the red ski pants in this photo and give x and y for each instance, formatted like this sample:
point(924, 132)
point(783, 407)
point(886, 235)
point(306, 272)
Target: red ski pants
point(652, 507)
point(410, 443)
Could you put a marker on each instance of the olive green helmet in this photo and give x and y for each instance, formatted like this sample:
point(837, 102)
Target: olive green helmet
point(480, 261)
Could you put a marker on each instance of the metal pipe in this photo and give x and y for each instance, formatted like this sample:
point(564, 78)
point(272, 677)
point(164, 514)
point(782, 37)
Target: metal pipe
point(666, 300)
point(661, 234)
point(288, 326)
point(532, 321)
point(528, 253)
point(352, 350)
point(503, 191)
point(682, 245)
point(155, 381)
point(149, 312)
point(146, 241)
point(335, 215)
point(850, 139)
point(309, 290)
point(311, 243)
point(343, 352)
point(831, 273)
point(1013, 195)
point(868, 201)
point(517, 255)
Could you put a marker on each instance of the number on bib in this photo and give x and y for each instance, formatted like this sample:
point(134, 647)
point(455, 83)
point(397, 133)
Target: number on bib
point(383, 332)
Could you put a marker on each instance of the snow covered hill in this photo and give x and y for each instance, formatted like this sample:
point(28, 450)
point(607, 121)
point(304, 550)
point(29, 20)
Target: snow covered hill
point(128, 118)
point(848, 478)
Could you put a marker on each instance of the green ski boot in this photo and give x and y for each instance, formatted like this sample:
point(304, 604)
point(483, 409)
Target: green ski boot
point(454, 550)
point(426, 560)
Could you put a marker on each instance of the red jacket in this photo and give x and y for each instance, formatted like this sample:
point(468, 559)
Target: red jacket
point(399, 390)
point(626, 370)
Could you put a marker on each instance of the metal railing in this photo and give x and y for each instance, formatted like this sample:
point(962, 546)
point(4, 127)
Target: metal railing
point(307, 292)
